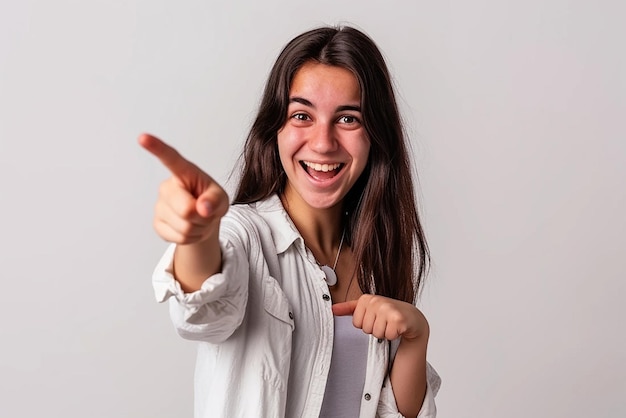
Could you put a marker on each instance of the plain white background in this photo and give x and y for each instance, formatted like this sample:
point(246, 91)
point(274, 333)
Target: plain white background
point(516, 112)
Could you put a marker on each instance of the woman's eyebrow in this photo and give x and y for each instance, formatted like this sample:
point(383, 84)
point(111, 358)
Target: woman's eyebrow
point(348, 107)
point(302, 101)
point(308, 103)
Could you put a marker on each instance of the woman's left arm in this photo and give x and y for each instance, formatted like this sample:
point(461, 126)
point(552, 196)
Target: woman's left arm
point(408, 374)
point(390, 319)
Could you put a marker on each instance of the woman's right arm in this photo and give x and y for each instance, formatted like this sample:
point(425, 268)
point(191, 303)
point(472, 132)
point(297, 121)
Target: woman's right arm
point(188, 213)
point(204, 274)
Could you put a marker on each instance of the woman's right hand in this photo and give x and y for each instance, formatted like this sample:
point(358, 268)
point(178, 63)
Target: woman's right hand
point(190, 203)
point(188, 212)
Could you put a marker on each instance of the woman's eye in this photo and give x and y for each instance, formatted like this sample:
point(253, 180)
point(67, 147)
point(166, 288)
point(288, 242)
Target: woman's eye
point(301, 116)
point(348, 119)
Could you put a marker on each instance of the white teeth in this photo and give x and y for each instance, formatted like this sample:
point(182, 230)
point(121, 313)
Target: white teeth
point(321, 167)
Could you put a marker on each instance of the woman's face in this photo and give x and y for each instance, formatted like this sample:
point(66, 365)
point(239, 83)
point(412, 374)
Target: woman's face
point(323, 145)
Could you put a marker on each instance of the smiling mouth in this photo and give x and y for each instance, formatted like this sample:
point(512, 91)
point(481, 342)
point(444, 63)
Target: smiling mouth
point(321, 171)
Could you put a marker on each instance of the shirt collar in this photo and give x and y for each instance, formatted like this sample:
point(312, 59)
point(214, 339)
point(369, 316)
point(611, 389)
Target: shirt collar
point(284, 232)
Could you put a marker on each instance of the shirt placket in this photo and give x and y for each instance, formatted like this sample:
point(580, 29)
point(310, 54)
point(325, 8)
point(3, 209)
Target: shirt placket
point(324, 354)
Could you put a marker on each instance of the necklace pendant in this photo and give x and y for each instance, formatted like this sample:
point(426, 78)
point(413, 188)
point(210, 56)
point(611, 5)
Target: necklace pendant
point(331, 276)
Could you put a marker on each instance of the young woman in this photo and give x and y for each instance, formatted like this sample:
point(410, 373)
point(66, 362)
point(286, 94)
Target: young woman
point(301, 293)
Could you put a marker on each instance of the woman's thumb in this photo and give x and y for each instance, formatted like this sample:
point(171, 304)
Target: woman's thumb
point(211, 204)
point(204, 207)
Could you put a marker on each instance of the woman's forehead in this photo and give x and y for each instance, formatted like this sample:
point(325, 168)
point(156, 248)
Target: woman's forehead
point(319, 83)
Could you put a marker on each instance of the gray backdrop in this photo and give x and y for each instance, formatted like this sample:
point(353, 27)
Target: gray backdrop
point(516, 111)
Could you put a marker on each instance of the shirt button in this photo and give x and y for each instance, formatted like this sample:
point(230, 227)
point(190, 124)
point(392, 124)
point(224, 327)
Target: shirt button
point(380, 340)
point(290, 315)
point(367, 397)
point(325, 297)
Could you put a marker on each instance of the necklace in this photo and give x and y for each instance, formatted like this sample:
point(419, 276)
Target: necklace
point(331, 276)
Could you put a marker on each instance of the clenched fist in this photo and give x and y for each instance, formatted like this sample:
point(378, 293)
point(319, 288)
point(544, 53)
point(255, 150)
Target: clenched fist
point(190, 203)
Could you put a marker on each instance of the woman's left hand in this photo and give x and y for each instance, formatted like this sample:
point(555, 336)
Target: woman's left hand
point(384, 317)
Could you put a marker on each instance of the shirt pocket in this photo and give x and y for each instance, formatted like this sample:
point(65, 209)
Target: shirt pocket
point(280, 326)
point(275, 302)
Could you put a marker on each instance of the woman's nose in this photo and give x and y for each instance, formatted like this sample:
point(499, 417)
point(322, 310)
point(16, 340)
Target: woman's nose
point(323, 139)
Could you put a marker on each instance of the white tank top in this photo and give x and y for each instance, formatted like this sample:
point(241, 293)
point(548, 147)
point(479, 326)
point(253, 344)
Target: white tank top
point(346, 378)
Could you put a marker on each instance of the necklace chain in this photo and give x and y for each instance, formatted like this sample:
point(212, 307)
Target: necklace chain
point(343, 235)
point(329, 272)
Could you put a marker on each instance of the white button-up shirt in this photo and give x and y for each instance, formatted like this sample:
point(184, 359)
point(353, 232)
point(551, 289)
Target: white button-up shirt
point(265, 325)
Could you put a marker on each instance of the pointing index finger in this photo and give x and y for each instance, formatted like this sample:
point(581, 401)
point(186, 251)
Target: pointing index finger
point(344, 308)
point(170, 158)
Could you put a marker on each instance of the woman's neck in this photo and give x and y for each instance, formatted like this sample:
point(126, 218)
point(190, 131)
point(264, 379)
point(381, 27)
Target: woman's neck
point(320, 228)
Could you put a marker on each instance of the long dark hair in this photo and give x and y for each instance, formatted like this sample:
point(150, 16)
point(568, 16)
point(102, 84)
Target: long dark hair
point(382, 225)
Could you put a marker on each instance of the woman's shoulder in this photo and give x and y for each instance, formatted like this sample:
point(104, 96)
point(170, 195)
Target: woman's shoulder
point(257, 218)
point(253, 213)
point(266, 222)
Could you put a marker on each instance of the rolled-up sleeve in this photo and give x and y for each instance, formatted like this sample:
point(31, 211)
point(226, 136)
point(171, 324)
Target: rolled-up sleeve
point(213, 312)
point(387, 407)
